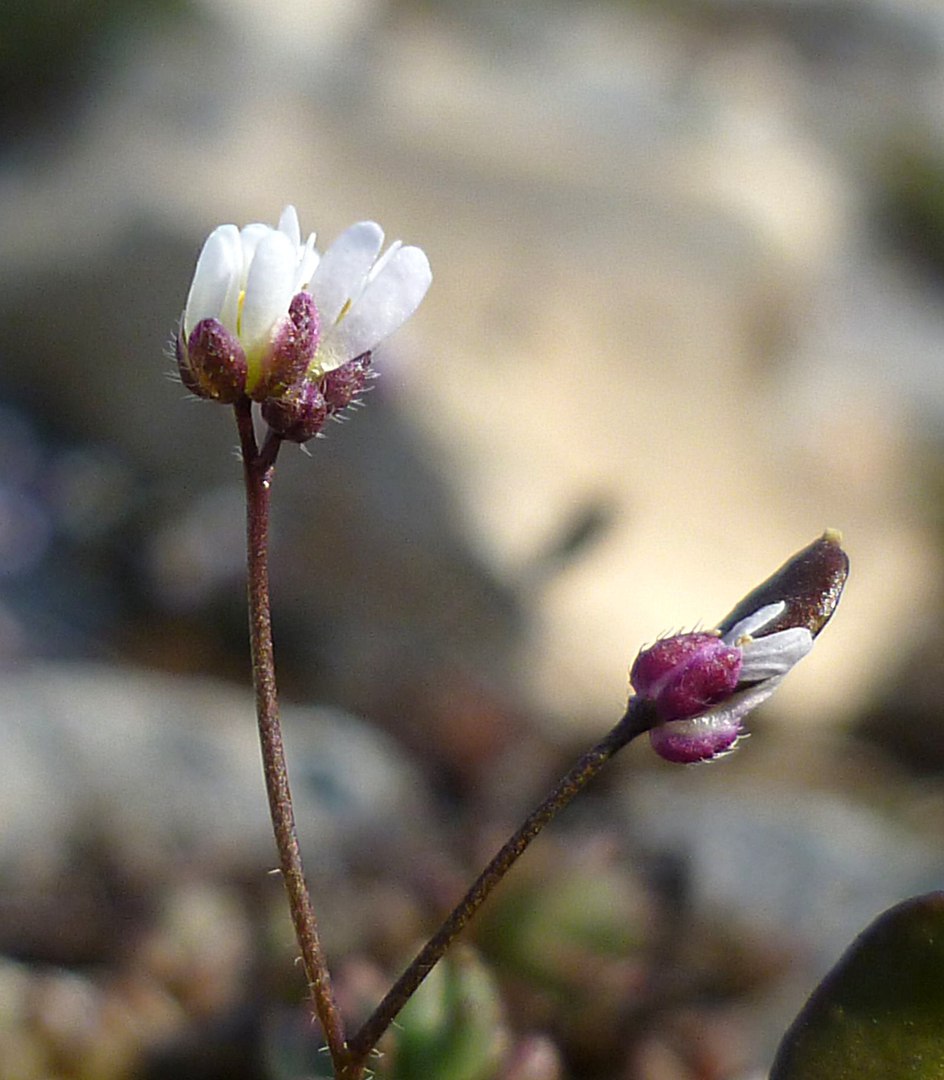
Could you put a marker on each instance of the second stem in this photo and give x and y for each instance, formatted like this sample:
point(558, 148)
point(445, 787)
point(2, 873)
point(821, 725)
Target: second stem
point(637, 719)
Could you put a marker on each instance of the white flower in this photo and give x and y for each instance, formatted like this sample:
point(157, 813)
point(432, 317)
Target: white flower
point(245, 279)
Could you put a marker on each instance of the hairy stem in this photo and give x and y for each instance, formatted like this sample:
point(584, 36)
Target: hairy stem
point(636, 720)
point(258, 467)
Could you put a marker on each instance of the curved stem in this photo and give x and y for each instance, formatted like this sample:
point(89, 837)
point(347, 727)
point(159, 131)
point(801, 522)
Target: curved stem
point(636, 720)
point(258, 467)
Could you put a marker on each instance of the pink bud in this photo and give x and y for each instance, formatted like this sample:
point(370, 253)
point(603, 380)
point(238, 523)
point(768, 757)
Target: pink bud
point(686, 674)
point(700, 739)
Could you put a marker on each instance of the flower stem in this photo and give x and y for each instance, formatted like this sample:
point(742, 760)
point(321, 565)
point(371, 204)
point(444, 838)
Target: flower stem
point(258, 467)
point(636, 720)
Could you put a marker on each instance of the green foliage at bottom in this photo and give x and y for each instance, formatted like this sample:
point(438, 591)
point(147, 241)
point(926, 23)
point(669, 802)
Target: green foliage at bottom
point(452, 1027)
point(879, 1014)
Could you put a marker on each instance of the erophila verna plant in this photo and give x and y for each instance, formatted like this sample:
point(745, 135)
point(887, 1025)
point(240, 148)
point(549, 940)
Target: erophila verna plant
point(271, 323)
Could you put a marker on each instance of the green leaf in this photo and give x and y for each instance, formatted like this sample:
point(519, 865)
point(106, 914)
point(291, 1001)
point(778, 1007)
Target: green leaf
point(452, 1028)
point(879, 1014)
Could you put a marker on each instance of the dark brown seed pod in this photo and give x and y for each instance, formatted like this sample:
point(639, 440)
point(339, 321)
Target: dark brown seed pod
point(810, 584)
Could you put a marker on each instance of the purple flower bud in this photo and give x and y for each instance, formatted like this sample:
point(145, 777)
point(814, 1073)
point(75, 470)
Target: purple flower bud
point(294, 343)
point(212, 364)
point(734, 672)
point(713, 733)
point(299, 414)
point(342, 385)
point(686, 674)
point(694, 741)
point(701, 685)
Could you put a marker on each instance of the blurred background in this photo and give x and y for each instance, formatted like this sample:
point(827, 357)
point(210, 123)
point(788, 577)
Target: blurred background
point(686, 312)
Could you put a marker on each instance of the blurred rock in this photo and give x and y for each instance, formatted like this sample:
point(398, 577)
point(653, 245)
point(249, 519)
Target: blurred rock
point(112, 780)
point(74, 1025)
point(800, 871)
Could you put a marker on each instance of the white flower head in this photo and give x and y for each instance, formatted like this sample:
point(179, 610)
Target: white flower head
point(266, 311)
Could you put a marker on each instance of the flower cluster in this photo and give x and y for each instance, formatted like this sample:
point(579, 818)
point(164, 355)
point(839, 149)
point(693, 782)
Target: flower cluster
point(270, 319)
point(700, 686)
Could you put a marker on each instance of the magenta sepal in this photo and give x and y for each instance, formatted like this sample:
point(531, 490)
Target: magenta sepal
point(299, 414)
point(212, 364)
point(294, 344)
point(686, 674)
point(341, 386)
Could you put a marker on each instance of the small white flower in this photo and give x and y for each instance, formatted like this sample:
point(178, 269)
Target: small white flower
point(246, 278)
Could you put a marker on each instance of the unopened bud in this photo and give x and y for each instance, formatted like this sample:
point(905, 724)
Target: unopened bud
point(700, 686)
point(686, 674)
point(212, 363)
point(342, 385)
point(294, 343)
point(299, 414)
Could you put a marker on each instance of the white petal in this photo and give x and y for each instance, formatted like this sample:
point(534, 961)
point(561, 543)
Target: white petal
point(385, 304)
point(288, 224)
point(269, 288)
point(757, 620)
point(377, 269)
point(218, 267)
point(344, 268)
point(774, 654)
point(737, 706)
point(307, 264)
point(251, 236)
